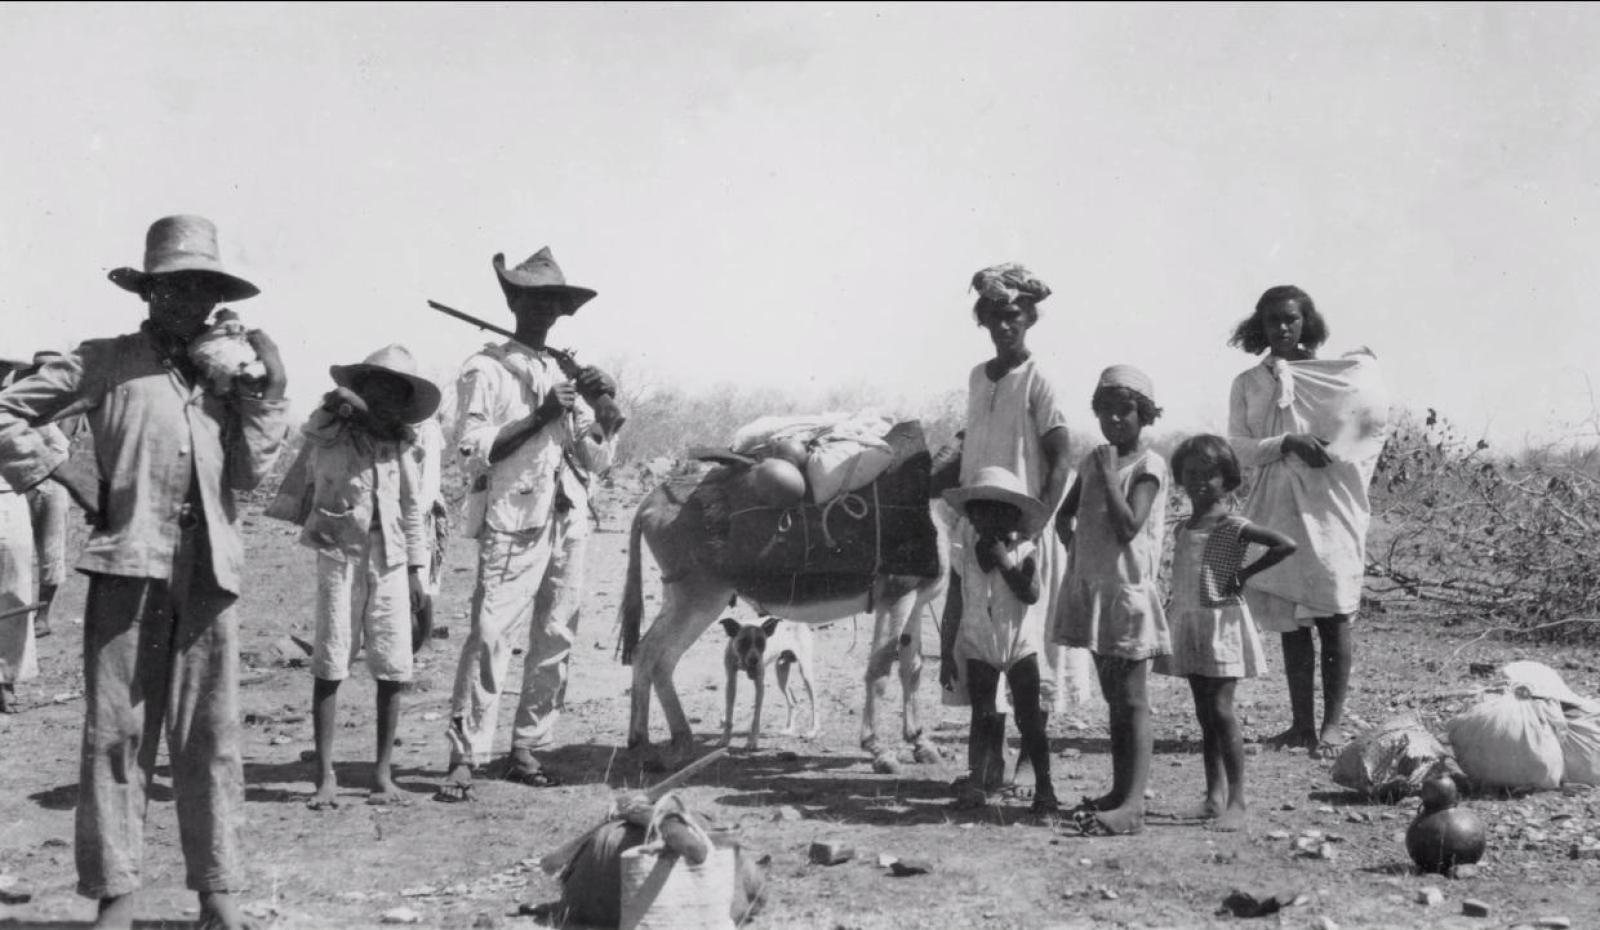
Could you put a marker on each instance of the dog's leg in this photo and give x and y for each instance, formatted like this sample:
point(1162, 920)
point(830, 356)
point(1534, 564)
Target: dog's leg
point(755, 721)
point(781, 670)
point(731, 666)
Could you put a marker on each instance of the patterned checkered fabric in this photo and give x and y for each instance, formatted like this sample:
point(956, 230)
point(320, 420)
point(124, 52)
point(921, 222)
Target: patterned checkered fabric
point(1219, 564)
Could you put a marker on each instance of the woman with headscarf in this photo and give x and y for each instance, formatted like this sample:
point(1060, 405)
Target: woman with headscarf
point(1313, 429)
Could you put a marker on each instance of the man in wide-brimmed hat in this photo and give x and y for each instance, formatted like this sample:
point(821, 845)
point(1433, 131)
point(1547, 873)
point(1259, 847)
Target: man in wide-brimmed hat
point(359, 501)
point(530, 439)
point(164, 561)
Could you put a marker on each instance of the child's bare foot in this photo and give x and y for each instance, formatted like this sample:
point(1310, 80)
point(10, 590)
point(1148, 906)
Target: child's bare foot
point(457, 784)
point(218, 912)
point(1293, 739)
point(1105, 802)
point(8, 699)
point(1231, 820)
point(326, 798)
point(115, 913)
point(389, 797)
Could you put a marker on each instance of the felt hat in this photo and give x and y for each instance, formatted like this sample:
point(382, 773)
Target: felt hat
point(397, 361)
point(540, 275)
point(1127, 376)
point(998, 483)
point(187, 246)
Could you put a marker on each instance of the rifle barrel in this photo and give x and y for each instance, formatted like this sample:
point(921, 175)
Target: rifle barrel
point(469, 318)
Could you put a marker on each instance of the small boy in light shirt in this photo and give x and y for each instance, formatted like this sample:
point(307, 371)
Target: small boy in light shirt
point(364, 517)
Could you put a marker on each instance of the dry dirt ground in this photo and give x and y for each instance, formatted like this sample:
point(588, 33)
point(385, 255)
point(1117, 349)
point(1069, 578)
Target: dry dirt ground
point(471, 865)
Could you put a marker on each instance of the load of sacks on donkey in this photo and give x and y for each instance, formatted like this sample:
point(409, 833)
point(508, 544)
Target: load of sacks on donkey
point(837, 495)
point(1525, 731)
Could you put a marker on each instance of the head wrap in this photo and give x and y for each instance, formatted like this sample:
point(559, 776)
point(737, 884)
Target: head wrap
point(1127, 376)
point(1009, 283)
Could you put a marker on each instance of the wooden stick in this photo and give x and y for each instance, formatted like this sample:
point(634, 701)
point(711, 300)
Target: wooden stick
point(18, 611)
point(554, 862)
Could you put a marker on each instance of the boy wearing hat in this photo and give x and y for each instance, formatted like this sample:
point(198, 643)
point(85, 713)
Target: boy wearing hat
point(1001, 629)
point(363, 516)
point(164, 561)
point(529, 439)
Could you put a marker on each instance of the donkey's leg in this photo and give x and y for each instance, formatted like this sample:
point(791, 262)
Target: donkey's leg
point(889, 623)
point(695, 604)
point(922, 748)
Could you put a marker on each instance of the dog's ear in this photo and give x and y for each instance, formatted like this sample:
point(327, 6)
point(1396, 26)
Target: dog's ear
point(731, 625)
point(769, 625)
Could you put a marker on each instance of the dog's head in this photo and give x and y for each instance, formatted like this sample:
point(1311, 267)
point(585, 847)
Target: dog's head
point(747, 642)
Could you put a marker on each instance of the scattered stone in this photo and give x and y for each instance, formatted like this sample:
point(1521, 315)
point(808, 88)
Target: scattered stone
point(67, 697)
point(885, 860)
point(1326, 809)
point(431, 716)
point(401, 915)
point(1472, 907)
point(788, 755)
point(1110, 894)
point(418, 891)
point(1278, 835)
point(1287, 806)
point(1323, 922)
point(1553, 923)
point(1430, 897)
point(278, 740)
point(1464, 870)
point(901, 868)
point(9, 893)
point(831, 853)
point(787, 814)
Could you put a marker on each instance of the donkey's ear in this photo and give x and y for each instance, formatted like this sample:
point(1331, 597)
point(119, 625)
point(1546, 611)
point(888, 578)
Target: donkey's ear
point(731, 625)
point(769, 625)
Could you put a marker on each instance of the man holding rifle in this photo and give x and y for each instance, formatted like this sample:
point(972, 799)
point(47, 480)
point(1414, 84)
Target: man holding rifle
point(529, 439)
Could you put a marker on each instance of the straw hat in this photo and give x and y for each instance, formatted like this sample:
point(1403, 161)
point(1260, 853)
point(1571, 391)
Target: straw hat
point(540, 275)
point(997, 483)
point(395, 360)
point(184, 245)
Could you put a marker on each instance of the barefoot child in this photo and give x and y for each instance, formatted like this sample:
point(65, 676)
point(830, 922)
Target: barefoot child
point(365, 521)
point(1110, 603)
point(1001, 629)
point(1214, 640)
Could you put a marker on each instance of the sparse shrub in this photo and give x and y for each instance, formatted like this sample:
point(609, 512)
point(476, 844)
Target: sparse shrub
point(1467, 533)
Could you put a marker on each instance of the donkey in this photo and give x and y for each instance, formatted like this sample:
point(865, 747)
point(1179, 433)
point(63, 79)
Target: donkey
point(694, 595)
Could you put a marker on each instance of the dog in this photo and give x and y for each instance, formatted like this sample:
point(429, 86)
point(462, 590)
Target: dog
point(754, 646)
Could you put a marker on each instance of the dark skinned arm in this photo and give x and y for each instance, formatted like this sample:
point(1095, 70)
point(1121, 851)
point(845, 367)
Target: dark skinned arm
point(1055, 447)
point(1128, 514)
point(511, 436)
point(1279, 547)
point(1069, 511)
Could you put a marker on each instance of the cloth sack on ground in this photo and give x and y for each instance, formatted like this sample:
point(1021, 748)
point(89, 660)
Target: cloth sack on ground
point(591, 883)
point(1543, 681)
point(1511, 740)
point(1392, 761)
point(1580, 742)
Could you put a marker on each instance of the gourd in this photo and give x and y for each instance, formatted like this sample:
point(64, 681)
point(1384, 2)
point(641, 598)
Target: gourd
point(1443, 835)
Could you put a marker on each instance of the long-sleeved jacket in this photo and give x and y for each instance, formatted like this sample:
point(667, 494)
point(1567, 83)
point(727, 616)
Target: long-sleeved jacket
point(351, 474)
point(154, 437)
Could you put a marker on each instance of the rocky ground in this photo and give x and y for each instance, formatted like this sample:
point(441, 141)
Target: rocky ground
point(1332, 859)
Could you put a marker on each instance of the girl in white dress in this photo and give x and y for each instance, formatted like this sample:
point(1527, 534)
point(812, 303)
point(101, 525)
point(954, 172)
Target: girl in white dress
point(1115, 519)
point(1214, 640)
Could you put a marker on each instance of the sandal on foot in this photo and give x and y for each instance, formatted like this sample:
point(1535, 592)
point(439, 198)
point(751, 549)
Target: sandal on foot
point(536, 778)
point(1091, 825)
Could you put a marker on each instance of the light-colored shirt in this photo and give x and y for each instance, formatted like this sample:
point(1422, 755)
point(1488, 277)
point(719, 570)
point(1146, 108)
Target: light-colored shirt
point(997, 627)
point(360, 483)
point(154, 437)
point(501, 385)
point(428, 451)
point(1006, 424)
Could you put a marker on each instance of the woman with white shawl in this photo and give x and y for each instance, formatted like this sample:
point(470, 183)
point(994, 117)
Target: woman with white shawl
point(1313, 430)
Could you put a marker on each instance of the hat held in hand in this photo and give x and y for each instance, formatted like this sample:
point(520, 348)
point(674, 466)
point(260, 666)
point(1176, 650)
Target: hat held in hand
point(540, 275)
point(394, 360)
point(184, 246)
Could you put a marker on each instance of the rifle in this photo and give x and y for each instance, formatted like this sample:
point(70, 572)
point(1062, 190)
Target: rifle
point(605, 406)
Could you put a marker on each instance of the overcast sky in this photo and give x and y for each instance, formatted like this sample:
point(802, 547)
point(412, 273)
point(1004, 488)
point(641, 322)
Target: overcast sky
point(798, 196)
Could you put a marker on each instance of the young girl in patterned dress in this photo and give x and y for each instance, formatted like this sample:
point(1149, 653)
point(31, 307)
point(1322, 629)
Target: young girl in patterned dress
point(1214, 641)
